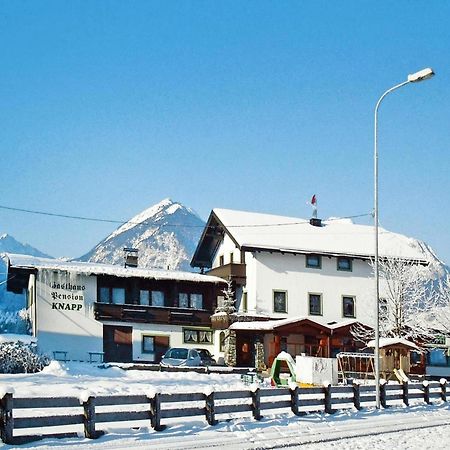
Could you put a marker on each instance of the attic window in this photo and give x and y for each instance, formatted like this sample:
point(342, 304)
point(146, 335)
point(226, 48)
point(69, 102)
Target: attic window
point(344, 263)
point(314, 261)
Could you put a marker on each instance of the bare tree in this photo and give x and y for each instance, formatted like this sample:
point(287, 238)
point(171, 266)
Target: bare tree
point(409, 293)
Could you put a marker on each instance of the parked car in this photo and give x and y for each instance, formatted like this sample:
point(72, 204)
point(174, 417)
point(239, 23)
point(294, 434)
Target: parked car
point(181, 357)
point(206, 357)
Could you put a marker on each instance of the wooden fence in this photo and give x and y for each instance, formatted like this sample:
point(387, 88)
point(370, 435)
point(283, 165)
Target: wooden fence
point(154, 408)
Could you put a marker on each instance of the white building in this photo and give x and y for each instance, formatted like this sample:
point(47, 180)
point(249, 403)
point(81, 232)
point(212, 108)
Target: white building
point(288, 267)
point(87, 311)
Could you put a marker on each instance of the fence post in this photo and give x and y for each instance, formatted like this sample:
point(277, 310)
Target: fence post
point(155, 413)
point(89, 418)
point(327, 399)
point(426, 392)
point(294, 401)
point(209, 410)
point(383, 399)
point(443, 382)
point(405, 393)
point(356, 396)
point(256, 404)
point(7, 419)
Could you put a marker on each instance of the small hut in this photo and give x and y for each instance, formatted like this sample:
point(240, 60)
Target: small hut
point(394, 355)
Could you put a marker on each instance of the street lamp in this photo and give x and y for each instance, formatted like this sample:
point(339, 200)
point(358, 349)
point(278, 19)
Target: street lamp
point(422, 75)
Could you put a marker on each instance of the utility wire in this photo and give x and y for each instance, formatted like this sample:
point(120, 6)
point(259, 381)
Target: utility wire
point(122, 222)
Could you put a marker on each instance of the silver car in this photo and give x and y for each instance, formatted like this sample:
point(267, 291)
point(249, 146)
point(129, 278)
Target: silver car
point(181, 357)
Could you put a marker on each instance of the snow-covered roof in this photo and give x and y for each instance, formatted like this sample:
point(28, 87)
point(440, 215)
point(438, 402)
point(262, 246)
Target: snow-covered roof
point(33, 262)
point(270, 325)
point(387, 342)
point(335, 236)
point(343, 323)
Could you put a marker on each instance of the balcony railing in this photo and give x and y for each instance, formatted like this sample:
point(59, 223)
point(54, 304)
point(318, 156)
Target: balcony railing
point(152, 314)
point(235, 272)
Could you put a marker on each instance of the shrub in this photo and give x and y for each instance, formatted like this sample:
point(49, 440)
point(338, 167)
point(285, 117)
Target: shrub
point(17, 357)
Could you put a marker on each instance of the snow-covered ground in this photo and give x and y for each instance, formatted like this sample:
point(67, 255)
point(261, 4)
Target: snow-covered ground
point(415, 427)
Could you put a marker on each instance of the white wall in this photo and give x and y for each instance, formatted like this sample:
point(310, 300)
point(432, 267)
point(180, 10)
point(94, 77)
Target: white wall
point(289, 273)
point(65, 316)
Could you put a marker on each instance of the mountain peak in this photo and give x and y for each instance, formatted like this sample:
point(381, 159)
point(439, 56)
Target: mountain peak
point(166, 235)
point(8, 244)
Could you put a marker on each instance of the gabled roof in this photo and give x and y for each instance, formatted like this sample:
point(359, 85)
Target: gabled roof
point(15, 261)
point(336, 237)
point(393, 342)
point(291, 322)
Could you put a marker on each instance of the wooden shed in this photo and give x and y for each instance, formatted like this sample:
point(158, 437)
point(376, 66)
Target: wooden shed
point(394, 354)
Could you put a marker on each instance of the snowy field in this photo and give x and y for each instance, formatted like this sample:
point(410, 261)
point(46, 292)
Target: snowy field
point(416, 427)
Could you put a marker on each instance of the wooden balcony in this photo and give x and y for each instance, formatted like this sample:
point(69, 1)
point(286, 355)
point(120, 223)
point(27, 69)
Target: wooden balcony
point(235, 272)
point(152, 314)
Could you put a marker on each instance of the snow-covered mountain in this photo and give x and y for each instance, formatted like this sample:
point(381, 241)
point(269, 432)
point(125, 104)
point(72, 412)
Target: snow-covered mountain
point(10, 245)
point(166, 235)
point(11, 304)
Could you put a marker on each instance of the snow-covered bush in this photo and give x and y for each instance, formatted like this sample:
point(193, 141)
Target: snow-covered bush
point(17, 357)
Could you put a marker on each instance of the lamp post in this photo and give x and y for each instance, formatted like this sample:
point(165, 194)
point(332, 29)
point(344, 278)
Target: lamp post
point(422, 75)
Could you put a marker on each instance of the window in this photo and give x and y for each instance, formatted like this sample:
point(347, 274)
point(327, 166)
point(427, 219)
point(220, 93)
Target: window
point(221, 260)
point(151, 298)
point(192, 336)
point(111, 295)
point(196, 301)
point(242, 257)
point(148, 344)
point(315, 304)
point(222, 341)
point(144, 298)
point(244, 302)
point(190, 300)
point(344, 263)
point(105, 296)
point(183, 300)
point(157, 298)
point(118, 296)
point(280, 301)
point(314, 261)
point(348, 306)
point(154, 347)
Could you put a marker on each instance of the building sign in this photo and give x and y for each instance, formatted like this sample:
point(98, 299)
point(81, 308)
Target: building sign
point(67, 296)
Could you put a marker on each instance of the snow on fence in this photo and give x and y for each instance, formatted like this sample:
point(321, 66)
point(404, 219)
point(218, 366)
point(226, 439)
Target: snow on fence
point(61, 412)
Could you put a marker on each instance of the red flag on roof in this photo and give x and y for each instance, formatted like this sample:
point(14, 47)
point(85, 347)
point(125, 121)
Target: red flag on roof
point(313, 200)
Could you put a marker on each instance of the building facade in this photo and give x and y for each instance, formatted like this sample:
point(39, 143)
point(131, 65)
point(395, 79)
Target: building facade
point(95, 312)
point(299, 284)
point(285, 267)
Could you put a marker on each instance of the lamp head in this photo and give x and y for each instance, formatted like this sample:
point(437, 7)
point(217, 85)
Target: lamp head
point(421, 75)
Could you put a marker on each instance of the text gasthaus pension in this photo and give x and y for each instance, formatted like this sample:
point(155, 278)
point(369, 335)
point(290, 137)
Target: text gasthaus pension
point(61, 298)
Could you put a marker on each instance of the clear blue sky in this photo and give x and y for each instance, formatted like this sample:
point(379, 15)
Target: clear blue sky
point(107, 107)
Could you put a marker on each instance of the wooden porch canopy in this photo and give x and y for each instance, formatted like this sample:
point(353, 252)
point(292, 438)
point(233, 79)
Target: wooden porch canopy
point(295, 325)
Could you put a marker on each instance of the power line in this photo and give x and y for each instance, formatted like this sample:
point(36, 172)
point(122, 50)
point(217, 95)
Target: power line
point(122, 222)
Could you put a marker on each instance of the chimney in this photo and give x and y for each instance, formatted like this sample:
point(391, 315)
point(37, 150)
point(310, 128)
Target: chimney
point(130, 256)
point(315, 222)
